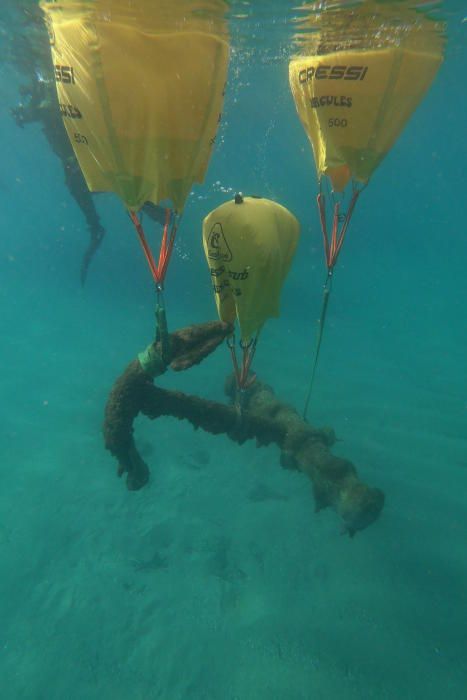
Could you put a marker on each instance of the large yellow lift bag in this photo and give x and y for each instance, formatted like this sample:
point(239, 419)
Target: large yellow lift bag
point(355, 93)
point(249, 248)
point(140, 87)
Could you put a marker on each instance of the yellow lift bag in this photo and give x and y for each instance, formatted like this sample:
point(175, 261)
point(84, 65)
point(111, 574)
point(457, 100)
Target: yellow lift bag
point(361, 70)
point(140, 87)
point(357, 81)
point(249, 245)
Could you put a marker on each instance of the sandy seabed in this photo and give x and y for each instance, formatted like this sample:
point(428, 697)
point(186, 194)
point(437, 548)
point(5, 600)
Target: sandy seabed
point(219, 581)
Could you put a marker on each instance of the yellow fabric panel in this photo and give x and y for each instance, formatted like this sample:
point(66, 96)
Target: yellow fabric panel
point(361, 71)
point(249, 248)
point(354, 104)
point(141, 91)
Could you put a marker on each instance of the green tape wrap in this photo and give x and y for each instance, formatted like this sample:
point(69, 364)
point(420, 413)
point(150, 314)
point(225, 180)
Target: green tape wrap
point(151, 361)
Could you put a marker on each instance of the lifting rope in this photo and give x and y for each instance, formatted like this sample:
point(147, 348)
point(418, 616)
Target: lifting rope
point(332, 247)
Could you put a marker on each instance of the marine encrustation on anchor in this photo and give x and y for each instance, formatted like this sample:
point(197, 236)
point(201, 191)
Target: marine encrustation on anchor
point(263, 418)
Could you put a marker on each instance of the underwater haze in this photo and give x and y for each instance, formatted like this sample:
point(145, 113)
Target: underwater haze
point(218, 580)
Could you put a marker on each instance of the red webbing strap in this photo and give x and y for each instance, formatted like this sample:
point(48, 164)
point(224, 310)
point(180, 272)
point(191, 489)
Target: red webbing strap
point(144, 245)
point(324, 228)
point(248, 355)
point(241, 373)
point(158, 271)
point(231, 346)
point(335, 227)
point(348, 216)
point(333, 247)
point(166, 247)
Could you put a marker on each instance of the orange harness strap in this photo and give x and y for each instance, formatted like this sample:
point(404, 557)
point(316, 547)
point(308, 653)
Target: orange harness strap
point(244, 381)
point(158, 271)
point(332, 247)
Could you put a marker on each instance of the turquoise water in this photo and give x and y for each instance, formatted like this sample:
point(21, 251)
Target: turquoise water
point(218, 580)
